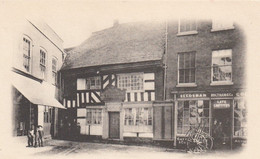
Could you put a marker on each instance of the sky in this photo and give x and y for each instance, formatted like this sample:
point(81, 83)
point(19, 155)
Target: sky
point(74, 21)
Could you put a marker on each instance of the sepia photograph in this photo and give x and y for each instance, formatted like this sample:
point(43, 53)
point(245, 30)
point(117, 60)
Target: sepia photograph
point(128, 79)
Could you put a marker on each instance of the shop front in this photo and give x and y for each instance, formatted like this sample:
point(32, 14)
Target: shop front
point(221, 115)
point(33, 106)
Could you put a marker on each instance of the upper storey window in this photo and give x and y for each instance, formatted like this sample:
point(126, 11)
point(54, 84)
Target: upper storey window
point(43, 62)
point(187, 26)
point(27, 54)
point(131, 81)
point(54, 70)
point(218, 25)
point(187, 68)
point(222, 66)
point(89, 83)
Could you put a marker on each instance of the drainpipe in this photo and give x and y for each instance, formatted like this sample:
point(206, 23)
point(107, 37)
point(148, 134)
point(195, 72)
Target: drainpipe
point(165, 60)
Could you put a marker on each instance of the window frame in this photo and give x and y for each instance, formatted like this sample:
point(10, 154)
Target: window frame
point(131, 74)
point(135, 119)
point(190, 84)
point(43, 67)
point(215, 27)
point(88, 83)
point(92, 117)
point(203, 117)
point(246, 117)
point(213, 83)
point(54, 79)
point(190, 32)
point(29, 58)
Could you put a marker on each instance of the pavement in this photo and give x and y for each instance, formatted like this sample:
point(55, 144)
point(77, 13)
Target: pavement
point(72, 149)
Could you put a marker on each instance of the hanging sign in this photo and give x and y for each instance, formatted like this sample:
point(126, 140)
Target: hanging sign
point(221, 104)
point(113, 94)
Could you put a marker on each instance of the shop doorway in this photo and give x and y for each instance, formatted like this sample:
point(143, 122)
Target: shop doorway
point(221, 127)
point(114, 127)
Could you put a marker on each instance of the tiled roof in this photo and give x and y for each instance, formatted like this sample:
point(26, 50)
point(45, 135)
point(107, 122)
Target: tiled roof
point(123, 43)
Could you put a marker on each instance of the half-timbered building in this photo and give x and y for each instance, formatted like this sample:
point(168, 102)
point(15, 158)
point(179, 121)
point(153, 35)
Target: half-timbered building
point(111, 80)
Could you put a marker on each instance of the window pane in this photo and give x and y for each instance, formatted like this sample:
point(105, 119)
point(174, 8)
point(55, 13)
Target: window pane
point(179, 130)
point(181, 76)
point(192, 58)
point(130, 82)
point(192, 77)
point(187, 25)
point(186, 76)
point(181, 61)
point(187, 60)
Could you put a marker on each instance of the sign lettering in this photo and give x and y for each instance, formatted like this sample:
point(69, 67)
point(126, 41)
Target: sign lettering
point(221, 95)
point(192, 95)
point(220, 104)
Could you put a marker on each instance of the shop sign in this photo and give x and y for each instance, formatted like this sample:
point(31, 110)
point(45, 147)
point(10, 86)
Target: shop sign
point(240, 94)
point(181, 142)
point(221, 104)
point(192, 95)
point(113, 94)
point(240, 141)
point(217, 95)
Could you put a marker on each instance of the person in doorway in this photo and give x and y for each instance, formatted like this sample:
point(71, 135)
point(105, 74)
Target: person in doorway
point(40, 137)
point(30, 136)
point(217, 133)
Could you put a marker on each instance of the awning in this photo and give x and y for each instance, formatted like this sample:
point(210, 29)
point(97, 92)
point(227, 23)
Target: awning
point(40, 93)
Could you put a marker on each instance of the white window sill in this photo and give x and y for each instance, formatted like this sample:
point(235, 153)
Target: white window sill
point(221, 83)
point(194, 32)
point(222, 29)
point(186, 85)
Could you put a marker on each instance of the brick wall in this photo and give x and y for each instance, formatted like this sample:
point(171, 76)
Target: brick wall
point(203, 43)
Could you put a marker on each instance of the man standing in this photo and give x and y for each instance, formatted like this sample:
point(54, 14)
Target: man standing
point(40, 135)
point(31, 136)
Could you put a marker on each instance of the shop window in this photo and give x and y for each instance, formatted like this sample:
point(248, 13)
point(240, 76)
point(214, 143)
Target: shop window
point(129, 116)
point(186, 67)
point(138, 116)
point(54, 70)
point(130, 82)
point(192, 114)
point(187, 26)
point(43, 62)
point(94, 116)
point(218, 24)
point(240, 118)
point(222, 66)
point(27, 54)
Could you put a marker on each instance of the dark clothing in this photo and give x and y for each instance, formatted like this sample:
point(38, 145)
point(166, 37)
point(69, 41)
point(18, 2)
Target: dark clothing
point(217, 135)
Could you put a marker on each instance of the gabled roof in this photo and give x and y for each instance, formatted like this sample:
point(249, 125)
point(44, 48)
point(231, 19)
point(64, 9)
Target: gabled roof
point(122, 43)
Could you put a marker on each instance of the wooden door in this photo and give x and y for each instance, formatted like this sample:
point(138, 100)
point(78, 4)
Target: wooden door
point(114, 127)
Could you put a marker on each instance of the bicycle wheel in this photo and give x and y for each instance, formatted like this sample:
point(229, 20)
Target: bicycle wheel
point(200, 143)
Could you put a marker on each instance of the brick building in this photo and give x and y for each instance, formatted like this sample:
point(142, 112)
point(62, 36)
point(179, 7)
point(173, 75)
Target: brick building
point(206, 79)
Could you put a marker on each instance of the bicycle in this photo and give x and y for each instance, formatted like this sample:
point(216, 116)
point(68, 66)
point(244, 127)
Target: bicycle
point(198, 140)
